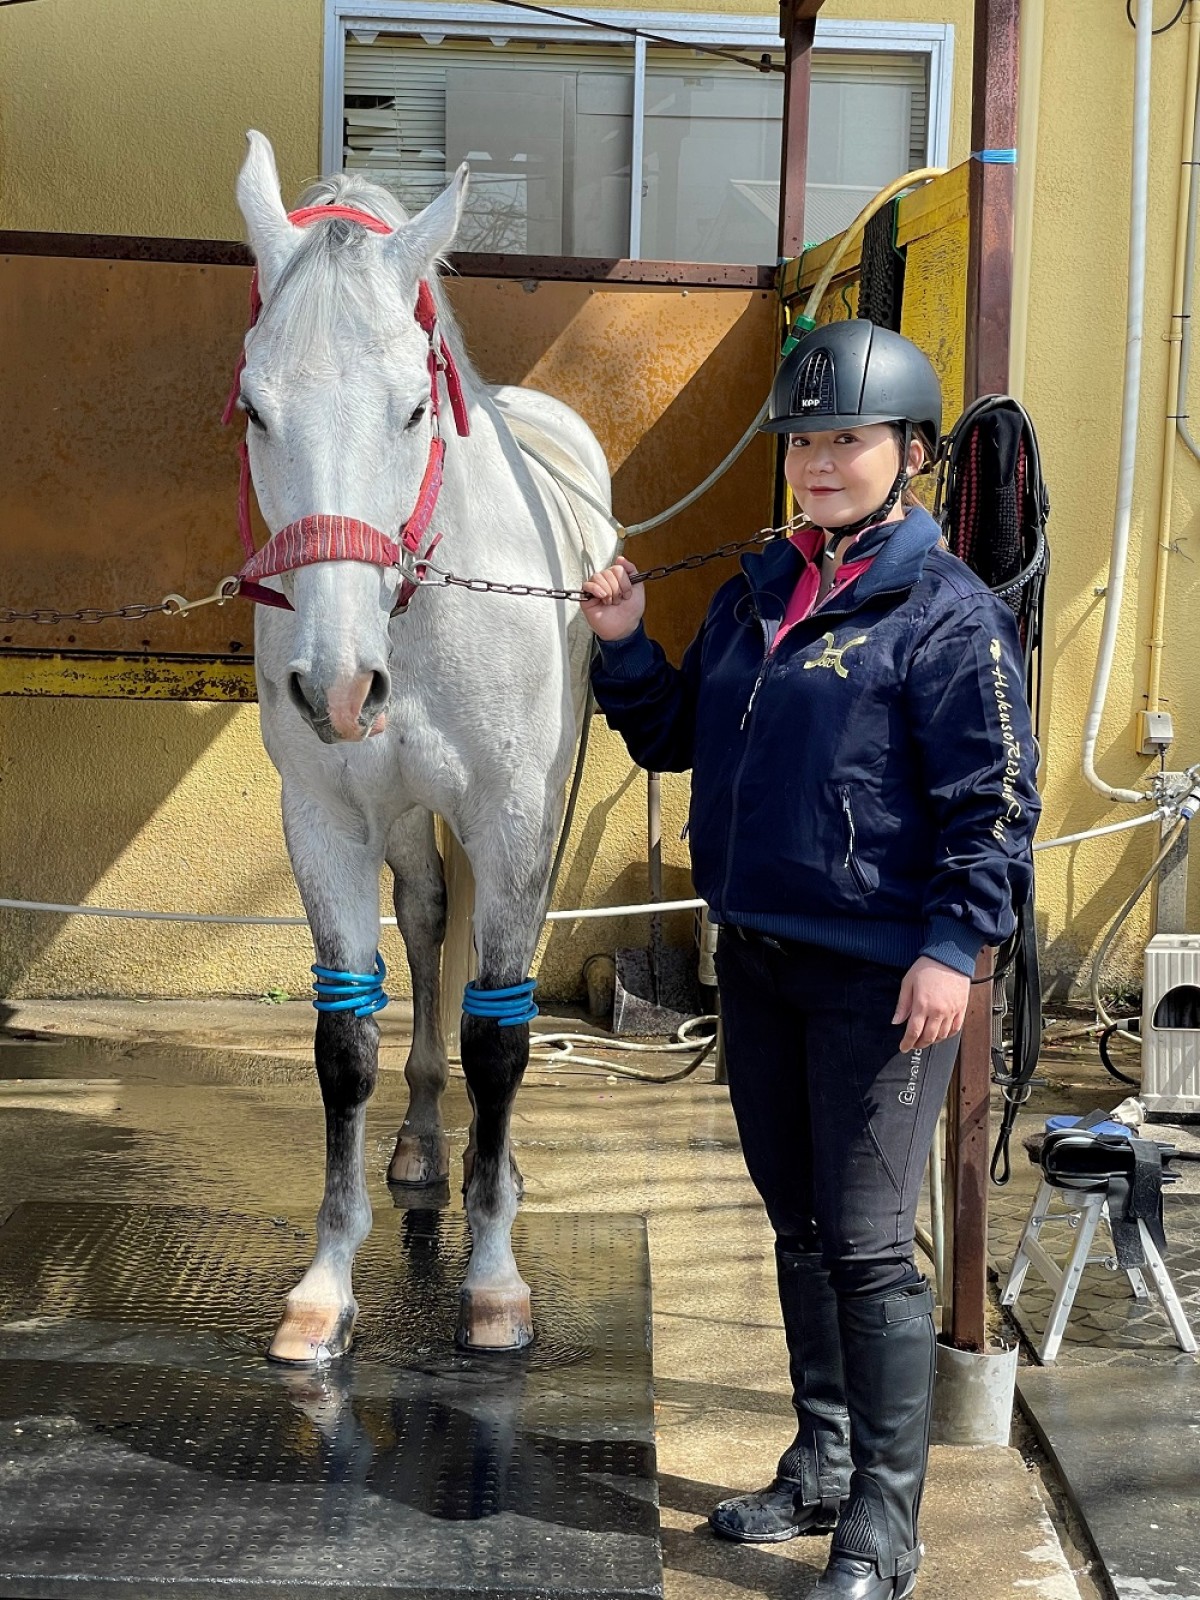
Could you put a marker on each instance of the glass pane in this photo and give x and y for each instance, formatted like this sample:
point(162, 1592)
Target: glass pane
point(546, 128)
point(859, 140)
point(710, 180)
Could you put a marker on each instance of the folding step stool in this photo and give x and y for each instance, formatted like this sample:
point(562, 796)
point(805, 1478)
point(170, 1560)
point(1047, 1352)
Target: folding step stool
point(1085, 1217)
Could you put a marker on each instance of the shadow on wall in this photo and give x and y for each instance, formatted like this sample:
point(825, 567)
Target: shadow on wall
point(108, 762)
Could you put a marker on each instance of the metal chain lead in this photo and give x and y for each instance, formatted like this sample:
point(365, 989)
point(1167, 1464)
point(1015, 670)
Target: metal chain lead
point(173, 605)
point(732, 547)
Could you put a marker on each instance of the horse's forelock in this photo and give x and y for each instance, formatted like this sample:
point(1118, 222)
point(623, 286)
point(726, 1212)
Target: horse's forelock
point(334, 266)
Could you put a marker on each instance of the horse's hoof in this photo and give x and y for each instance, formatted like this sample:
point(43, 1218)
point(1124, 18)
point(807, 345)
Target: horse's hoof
point(495, 1319)
point(420, 1159)
point(309, 1336)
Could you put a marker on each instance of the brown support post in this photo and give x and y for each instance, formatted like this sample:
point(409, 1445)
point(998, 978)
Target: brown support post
point(992, 197)
point(967, 1168)
point(989, 310)
point(797, 21)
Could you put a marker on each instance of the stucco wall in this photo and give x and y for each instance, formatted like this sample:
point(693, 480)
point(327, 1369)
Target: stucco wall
point(1072, 385)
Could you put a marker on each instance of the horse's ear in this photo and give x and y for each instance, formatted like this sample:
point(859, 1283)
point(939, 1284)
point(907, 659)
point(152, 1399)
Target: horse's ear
point(272, 236)
point(419, 243)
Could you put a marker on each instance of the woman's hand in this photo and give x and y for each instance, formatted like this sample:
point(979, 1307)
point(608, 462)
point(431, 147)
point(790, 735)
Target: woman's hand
point(616, 606)
point(933, 1001)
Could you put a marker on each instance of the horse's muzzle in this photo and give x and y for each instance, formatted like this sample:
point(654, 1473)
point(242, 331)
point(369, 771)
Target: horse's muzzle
point(350, 709)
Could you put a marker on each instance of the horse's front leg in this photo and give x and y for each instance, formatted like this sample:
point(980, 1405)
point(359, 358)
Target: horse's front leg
point(494, 1310)
point(422, 1156)
point(338, 878)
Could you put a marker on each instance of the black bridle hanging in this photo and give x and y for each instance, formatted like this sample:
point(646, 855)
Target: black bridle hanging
point(993, 507)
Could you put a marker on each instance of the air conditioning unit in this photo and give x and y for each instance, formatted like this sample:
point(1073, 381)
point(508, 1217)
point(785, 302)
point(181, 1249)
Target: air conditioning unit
point(1171, 1026)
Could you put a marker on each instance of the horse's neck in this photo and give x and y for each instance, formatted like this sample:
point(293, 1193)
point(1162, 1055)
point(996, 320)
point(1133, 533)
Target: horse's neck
point(487, 519)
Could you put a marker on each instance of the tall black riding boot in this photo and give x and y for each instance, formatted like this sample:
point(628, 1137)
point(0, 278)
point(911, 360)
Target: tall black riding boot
point(811, 1479)
point(888, 1347)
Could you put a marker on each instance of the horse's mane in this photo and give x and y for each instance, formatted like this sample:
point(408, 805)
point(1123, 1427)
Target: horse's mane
point(331, 269)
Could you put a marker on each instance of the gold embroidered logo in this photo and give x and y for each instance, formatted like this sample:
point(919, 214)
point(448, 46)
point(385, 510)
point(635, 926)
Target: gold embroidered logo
point(831, 656)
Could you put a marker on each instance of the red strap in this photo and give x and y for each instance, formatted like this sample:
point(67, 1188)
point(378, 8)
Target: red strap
point(262, 596)
point(415, 529)
point(307, 214)
point(245, 530)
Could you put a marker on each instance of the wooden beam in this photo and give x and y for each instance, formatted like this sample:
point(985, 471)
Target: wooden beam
point(991, 207)
point(797, 21)
point(992, 196)
point(967, 1168)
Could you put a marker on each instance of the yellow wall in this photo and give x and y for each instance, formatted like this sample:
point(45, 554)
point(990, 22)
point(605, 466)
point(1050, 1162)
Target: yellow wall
point(1072, 386)
point(129, 116)
point(133, 123)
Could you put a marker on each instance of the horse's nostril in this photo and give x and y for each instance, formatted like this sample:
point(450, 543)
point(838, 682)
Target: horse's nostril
point(296, 693)
point(378, 694)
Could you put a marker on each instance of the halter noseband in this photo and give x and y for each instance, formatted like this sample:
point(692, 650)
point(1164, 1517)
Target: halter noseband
point(324, 537)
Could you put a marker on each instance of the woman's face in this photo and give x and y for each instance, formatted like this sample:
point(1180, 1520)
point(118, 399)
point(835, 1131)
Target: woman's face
point(843, 475)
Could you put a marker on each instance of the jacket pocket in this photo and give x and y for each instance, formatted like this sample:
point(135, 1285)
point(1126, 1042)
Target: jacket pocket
point(866, 879)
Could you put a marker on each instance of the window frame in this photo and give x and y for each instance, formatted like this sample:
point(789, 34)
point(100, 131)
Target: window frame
point(935, 40)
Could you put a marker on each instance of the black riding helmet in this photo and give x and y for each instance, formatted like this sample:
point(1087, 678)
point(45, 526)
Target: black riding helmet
point(854, 374)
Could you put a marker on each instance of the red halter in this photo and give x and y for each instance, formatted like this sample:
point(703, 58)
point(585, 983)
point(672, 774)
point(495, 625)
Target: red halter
point(323, 537)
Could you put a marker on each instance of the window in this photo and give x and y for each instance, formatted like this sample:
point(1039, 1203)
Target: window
point(554, 120)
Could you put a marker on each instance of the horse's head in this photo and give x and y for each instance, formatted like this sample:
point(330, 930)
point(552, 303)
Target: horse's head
point(337, 395)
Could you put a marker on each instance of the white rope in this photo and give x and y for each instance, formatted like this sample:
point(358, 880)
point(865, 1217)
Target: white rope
point(125, 913)
point(574, 914)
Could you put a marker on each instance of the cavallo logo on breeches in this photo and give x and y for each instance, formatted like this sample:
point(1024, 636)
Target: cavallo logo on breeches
point(908, 1095)
point(832, 655)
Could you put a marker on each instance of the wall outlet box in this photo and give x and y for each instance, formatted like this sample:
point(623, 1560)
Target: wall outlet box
point(1156, 732)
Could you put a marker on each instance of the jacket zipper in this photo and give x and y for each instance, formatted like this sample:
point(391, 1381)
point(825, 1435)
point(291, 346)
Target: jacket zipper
point(735, 787)
point(852, 864)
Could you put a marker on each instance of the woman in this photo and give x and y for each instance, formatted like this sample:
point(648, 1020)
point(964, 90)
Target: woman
point(863, 805)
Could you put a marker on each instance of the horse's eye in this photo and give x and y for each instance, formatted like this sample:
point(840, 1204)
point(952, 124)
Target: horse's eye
point(417, 414)
point(252, 415)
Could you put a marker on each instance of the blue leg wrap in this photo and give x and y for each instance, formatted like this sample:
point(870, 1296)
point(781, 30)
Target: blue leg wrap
point(508, 1007)
point(360, 992)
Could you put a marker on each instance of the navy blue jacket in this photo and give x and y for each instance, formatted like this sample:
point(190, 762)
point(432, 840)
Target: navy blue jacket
point(869, 786)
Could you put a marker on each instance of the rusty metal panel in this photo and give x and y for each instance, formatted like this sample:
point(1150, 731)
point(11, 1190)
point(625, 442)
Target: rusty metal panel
point(122, 483)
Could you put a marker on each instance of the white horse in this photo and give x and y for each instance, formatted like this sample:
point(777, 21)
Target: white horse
point(464, 704)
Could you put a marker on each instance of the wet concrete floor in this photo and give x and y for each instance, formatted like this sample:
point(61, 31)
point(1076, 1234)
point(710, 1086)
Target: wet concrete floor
point(156, 1107)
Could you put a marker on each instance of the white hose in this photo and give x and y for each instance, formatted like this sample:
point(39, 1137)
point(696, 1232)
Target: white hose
point(1144, 883)
point(1156, 815)
point(1189, 279)
point(1115, 589)
point(572, 914)
point(888, 193)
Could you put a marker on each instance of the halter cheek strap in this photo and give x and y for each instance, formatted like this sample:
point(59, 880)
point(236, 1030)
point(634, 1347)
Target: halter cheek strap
point(324, 537)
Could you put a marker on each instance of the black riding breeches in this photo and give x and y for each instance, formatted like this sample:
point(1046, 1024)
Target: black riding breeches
point(836, 1124)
